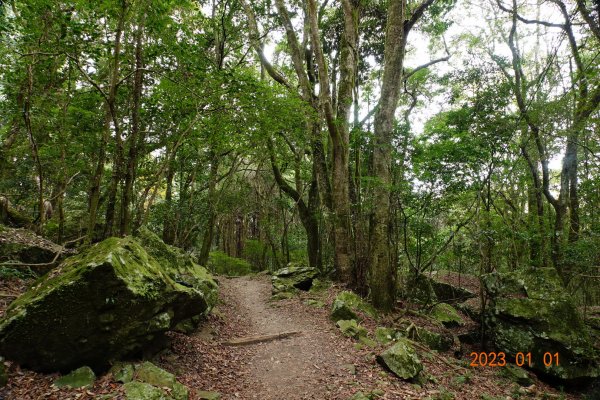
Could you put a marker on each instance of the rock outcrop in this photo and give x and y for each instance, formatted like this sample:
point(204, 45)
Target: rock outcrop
point(296, 276)
point(112, 300)
point(530, 312)
point(24, 246)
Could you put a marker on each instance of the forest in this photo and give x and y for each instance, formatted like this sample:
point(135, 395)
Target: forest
point(300, 199)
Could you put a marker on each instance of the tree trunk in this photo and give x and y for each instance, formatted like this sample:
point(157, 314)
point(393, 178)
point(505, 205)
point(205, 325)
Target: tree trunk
point(383, 273)
point(210, 222)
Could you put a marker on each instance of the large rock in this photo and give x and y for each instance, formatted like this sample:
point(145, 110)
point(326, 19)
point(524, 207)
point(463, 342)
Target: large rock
point(530, 311)
point(401, 359)
point(296, 276)
point(347, 305)
point(111, 301)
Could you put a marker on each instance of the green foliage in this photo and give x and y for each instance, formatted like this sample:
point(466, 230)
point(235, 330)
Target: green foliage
point(220, 263)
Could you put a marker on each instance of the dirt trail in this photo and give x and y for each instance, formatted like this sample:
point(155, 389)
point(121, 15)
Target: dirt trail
point(291, 368)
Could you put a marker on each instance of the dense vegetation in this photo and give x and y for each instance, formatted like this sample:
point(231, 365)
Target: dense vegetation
point(373, 140)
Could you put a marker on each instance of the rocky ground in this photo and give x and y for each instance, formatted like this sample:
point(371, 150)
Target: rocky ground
point(316, 363)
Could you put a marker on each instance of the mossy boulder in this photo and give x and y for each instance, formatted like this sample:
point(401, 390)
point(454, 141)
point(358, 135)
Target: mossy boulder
point(529, 311)
point(110, 301)
point(348, 305)
point(296, 276)
point(351, 328)
point(401, 359)
point(447, 315)
point(81, 377)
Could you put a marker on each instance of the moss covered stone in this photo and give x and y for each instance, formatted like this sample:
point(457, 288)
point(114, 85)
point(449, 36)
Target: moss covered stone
point(351, 328)
point(110, 301)
point(530, 311)
point(447, 315)
point(385, 335)
point(81, 377)
point(347, 305)
point(516, 374)
point(401, 359)
point(296, 276)
point(434, 341)
point(151, 374)
point(143, 391)
point(205, 395)
point(122, 372)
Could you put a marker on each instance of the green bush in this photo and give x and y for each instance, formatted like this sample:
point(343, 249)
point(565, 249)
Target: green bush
point(220, 263)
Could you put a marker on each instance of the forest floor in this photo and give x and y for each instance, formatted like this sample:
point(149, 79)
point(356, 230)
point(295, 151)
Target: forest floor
point(316, 363)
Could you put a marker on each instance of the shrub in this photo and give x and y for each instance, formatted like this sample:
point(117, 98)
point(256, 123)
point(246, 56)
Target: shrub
point(220, 263)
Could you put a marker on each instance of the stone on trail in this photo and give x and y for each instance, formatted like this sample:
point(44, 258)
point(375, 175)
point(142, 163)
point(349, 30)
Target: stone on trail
point(110, 301)
point(447, 315)
point(205, 395)
point(347, 305)
point(81, 377)
point(296, 276)
point(529, 311)
point(401, 359)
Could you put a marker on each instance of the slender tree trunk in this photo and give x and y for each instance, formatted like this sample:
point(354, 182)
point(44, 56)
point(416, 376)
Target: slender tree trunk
point(210, 222)
point(383, 273)
point(168, 235)
point(134, 140)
